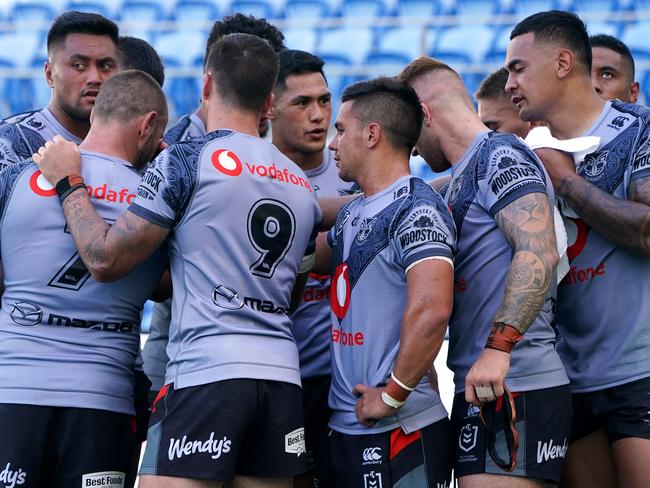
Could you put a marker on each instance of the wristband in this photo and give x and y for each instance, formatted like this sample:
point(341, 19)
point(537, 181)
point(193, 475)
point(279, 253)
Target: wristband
point(390, 401)
point(67, 185)
point(503, 337)
point(407, 388)
point(395, 391)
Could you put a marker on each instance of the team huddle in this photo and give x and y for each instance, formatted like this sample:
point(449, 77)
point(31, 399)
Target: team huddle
point(304, 289)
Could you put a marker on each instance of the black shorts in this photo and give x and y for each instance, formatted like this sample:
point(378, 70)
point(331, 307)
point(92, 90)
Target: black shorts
point(62, 447)
point(141, 404)
point(215, 431)
point(543, 422)
point(623, 411)
point(315, 392)
point(420, 459)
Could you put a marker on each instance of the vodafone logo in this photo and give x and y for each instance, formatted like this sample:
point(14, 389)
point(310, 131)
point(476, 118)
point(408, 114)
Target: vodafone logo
point(577, 232)
point(40, 185)
point(226, 162)
point(340, 291)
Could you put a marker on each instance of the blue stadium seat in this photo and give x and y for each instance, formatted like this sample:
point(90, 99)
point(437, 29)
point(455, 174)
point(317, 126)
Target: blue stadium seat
point(416, 9)
point(17, 49)
point(350, 43)
point(402, 45)
point(497, 52)
point(299, 38)
point(353, 10)
point(464, 43)
point(141, 13)
point(603, 28)
point(261, 9)
point(590, 6)
point(636, 37)
point(305, 13)
point(524, 8)
point(191, 44)
point(191, 11)
point(95, 7)
point(476, 7)
point(336, 69)
point(31, 16)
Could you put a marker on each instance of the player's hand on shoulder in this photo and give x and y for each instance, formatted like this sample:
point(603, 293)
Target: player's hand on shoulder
point(58, 159)
point(485, 379)
point(559, 165)
point(370, 407)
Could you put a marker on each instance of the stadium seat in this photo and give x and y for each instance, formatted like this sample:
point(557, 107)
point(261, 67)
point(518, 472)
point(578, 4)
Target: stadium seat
point(497, 52)
point(402, 45)
point(594, 6)
point(603, 28)
point(34, 16)
point(17, 49)
point(352, 11)
point(95, 7)
point(192, 43)
point(464, 43)
point(261, 9)
point(305, 13)
point(416, 9)
point(350, 43)
point(336, 71)
point(476, 7)
point(140, 14)
point(636, 37)
point(524, 8)
point(187, 13)
point(303, 39)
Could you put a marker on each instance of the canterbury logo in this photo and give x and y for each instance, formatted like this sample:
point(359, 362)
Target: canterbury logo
point(372, 454)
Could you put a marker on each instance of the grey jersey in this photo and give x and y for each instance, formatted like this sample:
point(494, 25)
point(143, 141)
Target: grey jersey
point(495, 171)
point(65, 339)
point(311, 320)
point(242, 216)
point(603, 310)
point(21, 135)
point(154, 353)
point(374, 242)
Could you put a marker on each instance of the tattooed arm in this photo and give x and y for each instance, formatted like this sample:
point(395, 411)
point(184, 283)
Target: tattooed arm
point(110, 252)
point(527, 224)
point(625, 223)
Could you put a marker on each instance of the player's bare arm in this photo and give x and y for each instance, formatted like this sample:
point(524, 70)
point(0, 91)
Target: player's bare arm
point(109, 252)
point(330, 207)
point(625, 223)
point(527, 224)
point(428, 307)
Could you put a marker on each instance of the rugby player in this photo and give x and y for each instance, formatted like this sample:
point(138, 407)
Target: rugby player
point(68, 344)
point(135, 53)
point(395, 243)
point(300, 118)
point(612, 69)
point(187, 127)
point(602, 308)
point(243, 218)
point(500, 329)
point(495, 109)
point(82, 55)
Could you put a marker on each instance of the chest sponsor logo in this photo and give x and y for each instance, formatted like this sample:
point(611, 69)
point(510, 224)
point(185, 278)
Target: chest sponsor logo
point(228, 163)
point(26, 313)
point(340, 291)
point(313, 294)
point(12, 477)
point(225, 297)
point(372, 480)
point(339, 336)
point(294, 442)
point(366, 229)
point(549, 450)
point(43, 188)
point(594, 164)
point(371, 455)
point(105, 479)
point(468, 437)
point(179, 448)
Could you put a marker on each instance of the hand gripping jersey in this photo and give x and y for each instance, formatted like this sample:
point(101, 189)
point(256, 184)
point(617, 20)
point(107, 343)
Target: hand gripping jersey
point(375, 241)
point(495, 171)
point(311, 320)
point(242, 217)
point(603, 310)
point(154, 353)
point(66, 340)
point(21, 135)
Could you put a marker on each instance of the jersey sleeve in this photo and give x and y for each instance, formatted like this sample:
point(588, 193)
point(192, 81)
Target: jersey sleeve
point(318, 220)
point(641, 160)
point(166, 188)
point(423, 232)
point(510, 173)
point(8, 178)
point(13, 147)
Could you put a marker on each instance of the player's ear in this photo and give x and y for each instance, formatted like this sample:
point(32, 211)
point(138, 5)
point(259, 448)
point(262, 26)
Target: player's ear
point(207, 88)
point(373, 134)
point(148, 123)
point(48, 74)
point(268, 105)
point(634, 91)
point(426, 113)
point(565, 62)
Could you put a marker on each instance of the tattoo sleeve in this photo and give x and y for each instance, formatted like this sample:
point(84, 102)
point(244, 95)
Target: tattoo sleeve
point(527, 224)
point(109, 252)
point(625, 223)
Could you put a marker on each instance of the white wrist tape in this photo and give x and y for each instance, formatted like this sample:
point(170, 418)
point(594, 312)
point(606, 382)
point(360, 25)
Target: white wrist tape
point(390, 401)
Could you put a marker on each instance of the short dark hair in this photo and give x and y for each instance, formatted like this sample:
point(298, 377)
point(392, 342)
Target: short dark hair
point(392, 104)
point(494, 86)
point(616, 45)
point(555, 26)
point(135, 53)
point(73, 22)
point(295, 62)
point(245, 24)
point(244, 69)
point(129, 94)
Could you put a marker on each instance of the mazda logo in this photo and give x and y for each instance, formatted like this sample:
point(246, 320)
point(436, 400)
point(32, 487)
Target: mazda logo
point(26, 313)
point(226, 297)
